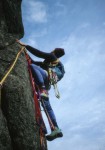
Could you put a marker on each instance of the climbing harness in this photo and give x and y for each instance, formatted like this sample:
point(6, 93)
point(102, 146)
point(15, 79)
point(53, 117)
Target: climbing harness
point(56, 72)
point(10, 69)
point(53, 78)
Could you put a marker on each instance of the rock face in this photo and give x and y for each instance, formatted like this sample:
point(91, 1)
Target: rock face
point(18, 130)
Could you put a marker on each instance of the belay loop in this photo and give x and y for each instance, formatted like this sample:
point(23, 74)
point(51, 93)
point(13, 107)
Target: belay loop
point(53, 78)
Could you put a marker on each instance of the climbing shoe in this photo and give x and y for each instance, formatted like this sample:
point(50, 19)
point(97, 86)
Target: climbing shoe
point(44, 94)
point(54, 134)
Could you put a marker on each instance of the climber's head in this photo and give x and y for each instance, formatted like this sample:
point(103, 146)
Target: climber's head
point(59, 52)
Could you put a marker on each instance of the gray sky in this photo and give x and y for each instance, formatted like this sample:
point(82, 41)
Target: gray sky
point(78, 26)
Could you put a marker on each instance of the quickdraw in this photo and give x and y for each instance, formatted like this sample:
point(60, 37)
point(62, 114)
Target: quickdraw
point(53, 81)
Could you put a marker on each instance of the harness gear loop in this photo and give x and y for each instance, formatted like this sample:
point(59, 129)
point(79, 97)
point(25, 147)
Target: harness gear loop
point(53, 81)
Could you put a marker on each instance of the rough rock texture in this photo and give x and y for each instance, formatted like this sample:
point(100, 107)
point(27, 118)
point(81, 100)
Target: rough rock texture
point(18, 129)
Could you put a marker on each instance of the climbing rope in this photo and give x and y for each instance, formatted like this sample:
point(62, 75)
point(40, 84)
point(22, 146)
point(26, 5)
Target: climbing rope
point(35, 97)
point(38, 114)
point(10, 69)
point(42, 141)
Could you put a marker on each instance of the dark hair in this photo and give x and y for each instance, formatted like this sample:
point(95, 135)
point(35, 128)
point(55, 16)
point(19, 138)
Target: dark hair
point(59, 52)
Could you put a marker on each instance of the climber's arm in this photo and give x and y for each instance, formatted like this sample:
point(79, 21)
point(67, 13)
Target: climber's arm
point(40, 54)
point(48, 56)
point(39, 63)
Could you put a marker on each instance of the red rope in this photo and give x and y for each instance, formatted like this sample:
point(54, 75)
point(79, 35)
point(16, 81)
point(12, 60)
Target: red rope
point(37, 105)
point(38, 115)
point(42, 141)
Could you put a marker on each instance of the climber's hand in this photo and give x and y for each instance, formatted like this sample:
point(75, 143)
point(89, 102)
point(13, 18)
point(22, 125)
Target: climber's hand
point(22, 44)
